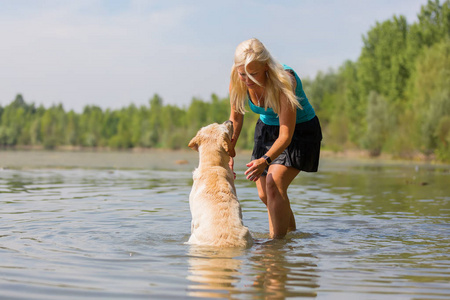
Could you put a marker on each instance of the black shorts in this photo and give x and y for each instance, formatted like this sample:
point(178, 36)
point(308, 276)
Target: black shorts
point(302, 153)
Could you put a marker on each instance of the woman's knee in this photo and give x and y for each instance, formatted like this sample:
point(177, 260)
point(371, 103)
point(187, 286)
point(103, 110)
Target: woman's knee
point(272, 188)
point(263, 196)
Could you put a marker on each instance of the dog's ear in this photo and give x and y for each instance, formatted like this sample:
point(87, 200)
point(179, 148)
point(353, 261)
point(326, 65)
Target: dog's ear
point(226, 144)
point(193, 144)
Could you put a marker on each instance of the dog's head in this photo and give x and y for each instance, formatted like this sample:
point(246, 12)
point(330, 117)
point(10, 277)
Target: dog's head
point(214, 135)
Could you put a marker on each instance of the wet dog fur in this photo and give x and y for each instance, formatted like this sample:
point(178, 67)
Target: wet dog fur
point(216, 212)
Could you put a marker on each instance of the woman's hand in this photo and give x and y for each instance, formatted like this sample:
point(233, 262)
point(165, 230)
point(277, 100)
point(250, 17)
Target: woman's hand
point(256, 168)
point(231, 148)
point(231, 164)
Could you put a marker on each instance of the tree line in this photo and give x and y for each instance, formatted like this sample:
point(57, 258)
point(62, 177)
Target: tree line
point(150, 126)
point(394, 98)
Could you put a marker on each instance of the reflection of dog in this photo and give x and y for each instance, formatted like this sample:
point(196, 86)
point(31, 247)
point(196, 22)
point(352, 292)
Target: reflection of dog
point(215, 209)
point(214, 273)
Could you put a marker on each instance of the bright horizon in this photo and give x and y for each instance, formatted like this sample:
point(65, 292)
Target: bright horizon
point(114, 53)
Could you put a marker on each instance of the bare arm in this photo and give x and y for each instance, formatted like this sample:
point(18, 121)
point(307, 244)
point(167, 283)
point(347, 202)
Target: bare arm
point(287, 118)
point(238, 120)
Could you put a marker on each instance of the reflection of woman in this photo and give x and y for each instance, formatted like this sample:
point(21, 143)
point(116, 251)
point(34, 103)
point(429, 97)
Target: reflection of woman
point(287, 135)
point(279, 276)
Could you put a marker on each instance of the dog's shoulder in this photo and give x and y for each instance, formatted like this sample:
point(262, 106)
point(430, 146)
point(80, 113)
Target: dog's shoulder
point(195, 174)
point(211, 173)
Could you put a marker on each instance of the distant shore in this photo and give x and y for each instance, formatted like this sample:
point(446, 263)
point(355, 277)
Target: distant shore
point(364, 154)
point(325, 153)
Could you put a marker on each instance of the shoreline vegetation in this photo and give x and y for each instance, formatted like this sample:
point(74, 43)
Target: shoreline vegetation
point(348, 154)
point(392, 102)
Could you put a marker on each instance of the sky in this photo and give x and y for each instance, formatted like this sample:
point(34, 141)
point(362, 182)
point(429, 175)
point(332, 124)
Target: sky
point(112, 53)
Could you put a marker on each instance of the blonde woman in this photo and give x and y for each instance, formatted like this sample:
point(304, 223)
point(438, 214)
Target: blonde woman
point(287, 134)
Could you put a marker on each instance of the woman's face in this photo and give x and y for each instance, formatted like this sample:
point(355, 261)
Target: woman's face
point(257, 70)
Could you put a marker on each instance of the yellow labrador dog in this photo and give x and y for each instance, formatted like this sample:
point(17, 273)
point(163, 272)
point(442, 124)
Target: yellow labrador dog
point(216, 212)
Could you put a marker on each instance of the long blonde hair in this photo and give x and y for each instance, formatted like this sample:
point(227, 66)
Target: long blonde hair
point(277, 81)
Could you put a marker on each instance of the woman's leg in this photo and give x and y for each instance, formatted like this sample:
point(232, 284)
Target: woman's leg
point(261, 186)
point(272, 190)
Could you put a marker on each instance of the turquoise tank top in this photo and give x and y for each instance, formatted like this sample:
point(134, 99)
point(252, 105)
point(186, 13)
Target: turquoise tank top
point(269, 117)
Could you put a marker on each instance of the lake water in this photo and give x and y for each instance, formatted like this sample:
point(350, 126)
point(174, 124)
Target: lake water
point(88, 225)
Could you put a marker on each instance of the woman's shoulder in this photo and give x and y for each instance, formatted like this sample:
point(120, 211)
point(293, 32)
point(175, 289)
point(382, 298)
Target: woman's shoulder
point(292, 75)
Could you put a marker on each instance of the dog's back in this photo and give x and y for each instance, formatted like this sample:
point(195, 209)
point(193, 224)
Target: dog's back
point(216, 212)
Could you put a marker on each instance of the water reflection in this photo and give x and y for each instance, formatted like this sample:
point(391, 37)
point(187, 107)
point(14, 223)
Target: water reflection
point(284, 271)
point(89, 232)
point(214, 272)
point(271, 269)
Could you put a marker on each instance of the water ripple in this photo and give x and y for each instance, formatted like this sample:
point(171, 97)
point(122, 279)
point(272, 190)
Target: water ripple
point(363, 232)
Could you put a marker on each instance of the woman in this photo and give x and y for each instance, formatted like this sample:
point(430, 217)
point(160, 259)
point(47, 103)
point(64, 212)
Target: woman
point(287, 134)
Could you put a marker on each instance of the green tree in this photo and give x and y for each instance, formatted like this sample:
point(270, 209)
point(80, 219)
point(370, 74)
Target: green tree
point(52, 127)
point(155, 119)
point(71, 134)
point(430, 92)
point(377, 123)
point(354, 109)
point(443, 134)
point(90, 126)
point(382, 66)
point(14, 122)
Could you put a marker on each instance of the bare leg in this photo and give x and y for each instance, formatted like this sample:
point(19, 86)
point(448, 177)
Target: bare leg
point(261, 186)
point(292, 224)
point(272, 191)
